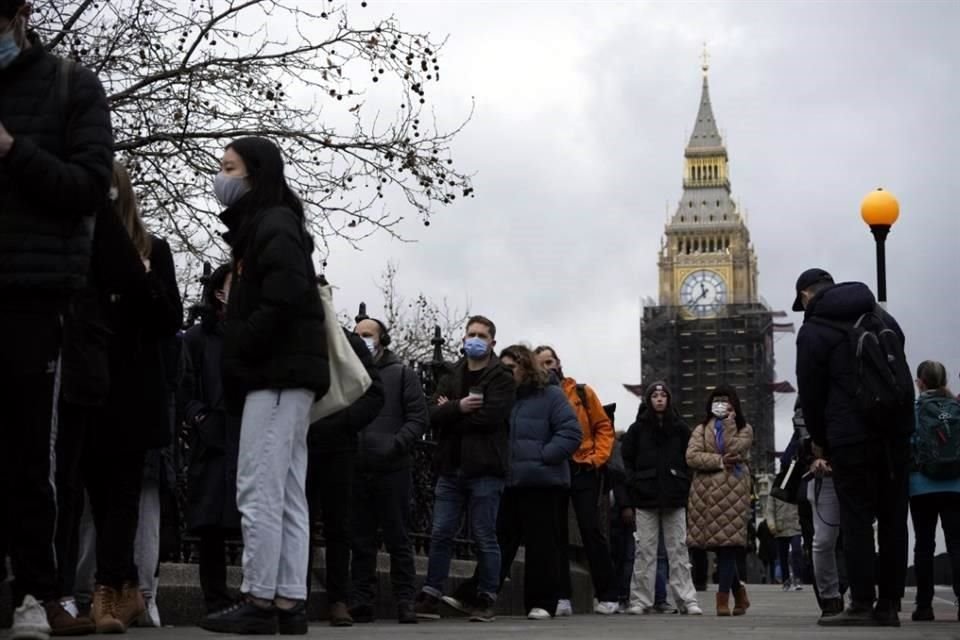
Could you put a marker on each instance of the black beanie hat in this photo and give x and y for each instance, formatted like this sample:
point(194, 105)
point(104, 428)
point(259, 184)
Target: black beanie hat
point(655, 386)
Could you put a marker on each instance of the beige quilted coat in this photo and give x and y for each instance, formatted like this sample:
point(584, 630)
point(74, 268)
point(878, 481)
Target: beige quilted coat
point(719, 503)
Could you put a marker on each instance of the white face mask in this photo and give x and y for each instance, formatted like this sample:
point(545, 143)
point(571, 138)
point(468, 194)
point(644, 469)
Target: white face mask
point(371, 345)
point(720, 409)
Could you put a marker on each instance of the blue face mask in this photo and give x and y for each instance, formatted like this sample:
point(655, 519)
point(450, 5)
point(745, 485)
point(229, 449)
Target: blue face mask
point(9, 49)
point(475, 348)
point(229, 189)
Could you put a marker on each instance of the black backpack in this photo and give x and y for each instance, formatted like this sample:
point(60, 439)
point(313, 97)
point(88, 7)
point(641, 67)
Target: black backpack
point(884, 388)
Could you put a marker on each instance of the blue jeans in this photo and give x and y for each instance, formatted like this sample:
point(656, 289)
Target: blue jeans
point(663, 571)
point(452, 496)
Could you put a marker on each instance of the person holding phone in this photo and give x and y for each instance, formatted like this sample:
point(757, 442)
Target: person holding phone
point(718, 453)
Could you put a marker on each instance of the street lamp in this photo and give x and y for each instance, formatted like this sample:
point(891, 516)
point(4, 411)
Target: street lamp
point(880, 210)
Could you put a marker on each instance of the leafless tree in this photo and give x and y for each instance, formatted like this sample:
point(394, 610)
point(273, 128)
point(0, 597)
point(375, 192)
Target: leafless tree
point(412, 321)
point(184, 77)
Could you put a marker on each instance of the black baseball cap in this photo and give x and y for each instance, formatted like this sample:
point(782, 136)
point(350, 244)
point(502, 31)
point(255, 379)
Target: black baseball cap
point(807, 279)
point(9, 8)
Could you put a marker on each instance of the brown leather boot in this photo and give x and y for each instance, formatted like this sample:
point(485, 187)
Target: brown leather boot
point(130, 605)
point(723, 604)
point(740, 601)
point(104, 610)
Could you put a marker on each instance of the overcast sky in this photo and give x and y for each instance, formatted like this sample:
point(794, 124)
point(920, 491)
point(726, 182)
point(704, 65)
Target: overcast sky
point(582, 114)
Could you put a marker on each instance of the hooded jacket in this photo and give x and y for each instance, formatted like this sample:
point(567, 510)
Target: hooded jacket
point(386, 444)
point(654, 453)
point(826, 378)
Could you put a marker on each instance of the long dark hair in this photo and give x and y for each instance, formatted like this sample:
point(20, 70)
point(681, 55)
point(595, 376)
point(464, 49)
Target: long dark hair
point(733, 398)
point(268, 185)
point(531, 373)
point(210, 306)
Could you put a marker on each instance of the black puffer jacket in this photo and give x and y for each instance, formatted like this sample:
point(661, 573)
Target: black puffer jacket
point(53, 180)
point(387, 442)
point(477, 443)
point(655, 457)
point(273, 336)
point(826, 378)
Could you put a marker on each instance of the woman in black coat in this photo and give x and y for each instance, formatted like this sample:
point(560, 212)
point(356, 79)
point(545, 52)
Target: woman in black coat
point(655, 493)
point(214, 442)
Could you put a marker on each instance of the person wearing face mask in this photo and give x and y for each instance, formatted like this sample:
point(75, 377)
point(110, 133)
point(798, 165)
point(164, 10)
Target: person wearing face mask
point(719, 505)
point(470, 414)
point(274, 366)
point(655, 497)
point(211, 510)
point(55, 162)
point(383, 481)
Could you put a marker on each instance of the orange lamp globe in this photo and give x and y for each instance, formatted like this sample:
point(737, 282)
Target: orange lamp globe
point(880, 209)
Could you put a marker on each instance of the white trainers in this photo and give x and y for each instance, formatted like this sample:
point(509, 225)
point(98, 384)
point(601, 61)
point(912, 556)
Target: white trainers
point(151, 617)
point(538, 614)
point(564, 609)
point(30, 621)
point(636, 610)
point(455, 604)
point(606, 608)
point(692, 609)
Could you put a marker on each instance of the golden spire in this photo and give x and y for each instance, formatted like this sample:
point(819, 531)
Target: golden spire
point(705, 57)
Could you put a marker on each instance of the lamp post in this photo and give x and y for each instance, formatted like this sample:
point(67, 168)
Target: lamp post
point(880, 210)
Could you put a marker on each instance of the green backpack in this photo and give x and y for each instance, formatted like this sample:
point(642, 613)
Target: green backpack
point(936, 443)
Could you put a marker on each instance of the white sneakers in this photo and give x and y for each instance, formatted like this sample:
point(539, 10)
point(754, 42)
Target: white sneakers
point(564, 609)
point(606, 608)
point(30, 621)
point(692, 609)
point(538, 614)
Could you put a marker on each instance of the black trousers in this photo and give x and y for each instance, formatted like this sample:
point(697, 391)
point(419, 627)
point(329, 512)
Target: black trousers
point(871, 484)
point(75, 427)
point(113, 480)
point(925, 509)
point(382, 501)
point(27, 437)
point(213, 569)
point(527, 518)
point(699, 564)
point(329, 493)
point(585, 483)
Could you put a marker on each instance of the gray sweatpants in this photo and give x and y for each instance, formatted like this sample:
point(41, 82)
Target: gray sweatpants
point(271, 493)
point(826, 530)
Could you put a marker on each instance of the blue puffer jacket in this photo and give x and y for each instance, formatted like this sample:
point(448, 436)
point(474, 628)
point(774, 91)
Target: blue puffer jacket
point(544, 434)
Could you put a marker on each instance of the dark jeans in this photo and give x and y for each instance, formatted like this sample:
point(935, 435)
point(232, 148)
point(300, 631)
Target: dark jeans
point(727, 568)
point(454, 496)
point(925, 510)
point(75, 426)
point(663, 572)
point(329, 492)
point(382, 500)
point(791, 559)
point(585, 494)
point(27, 434)
point(871, 484)
point(213, 569)
point(622, 554)
point(526, 518)
point(698, 561)
point(113, 479)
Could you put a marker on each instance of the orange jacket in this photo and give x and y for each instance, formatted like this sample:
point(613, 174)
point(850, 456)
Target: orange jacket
point(598, 434)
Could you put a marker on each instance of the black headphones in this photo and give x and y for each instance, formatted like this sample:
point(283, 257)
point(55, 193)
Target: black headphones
point(384, 333)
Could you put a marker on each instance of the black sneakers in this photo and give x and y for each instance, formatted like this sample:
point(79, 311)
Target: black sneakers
point(427, 607)
point(293, 622)
point(483, 609)
point(243, 618)
point(363, 614)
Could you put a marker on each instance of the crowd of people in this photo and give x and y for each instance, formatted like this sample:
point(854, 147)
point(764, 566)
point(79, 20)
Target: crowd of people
point(95, 388)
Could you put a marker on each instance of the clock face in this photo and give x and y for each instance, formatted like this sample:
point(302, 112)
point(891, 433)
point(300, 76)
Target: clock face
point(703, 293)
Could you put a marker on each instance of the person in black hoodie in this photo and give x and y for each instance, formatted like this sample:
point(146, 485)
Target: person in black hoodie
point(55, 156)
point(655, 494)
point(211, 510)
point(333, 448)
point(869, 461)
point(470, 414)
point(275, 365)
point(383, 482)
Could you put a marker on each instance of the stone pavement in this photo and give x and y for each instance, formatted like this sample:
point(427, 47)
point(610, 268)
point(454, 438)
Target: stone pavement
point(774, 616)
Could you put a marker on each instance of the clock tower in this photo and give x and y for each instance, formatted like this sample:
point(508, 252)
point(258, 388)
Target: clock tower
point(710, 327)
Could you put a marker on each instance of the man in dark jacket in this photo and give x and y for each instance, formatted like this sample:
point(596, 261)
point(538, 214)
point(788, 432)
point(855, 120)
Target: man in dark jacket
point(869, 460)
point(55, 162)
point(333, 445)
point(470, 414)
point(383, 481)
